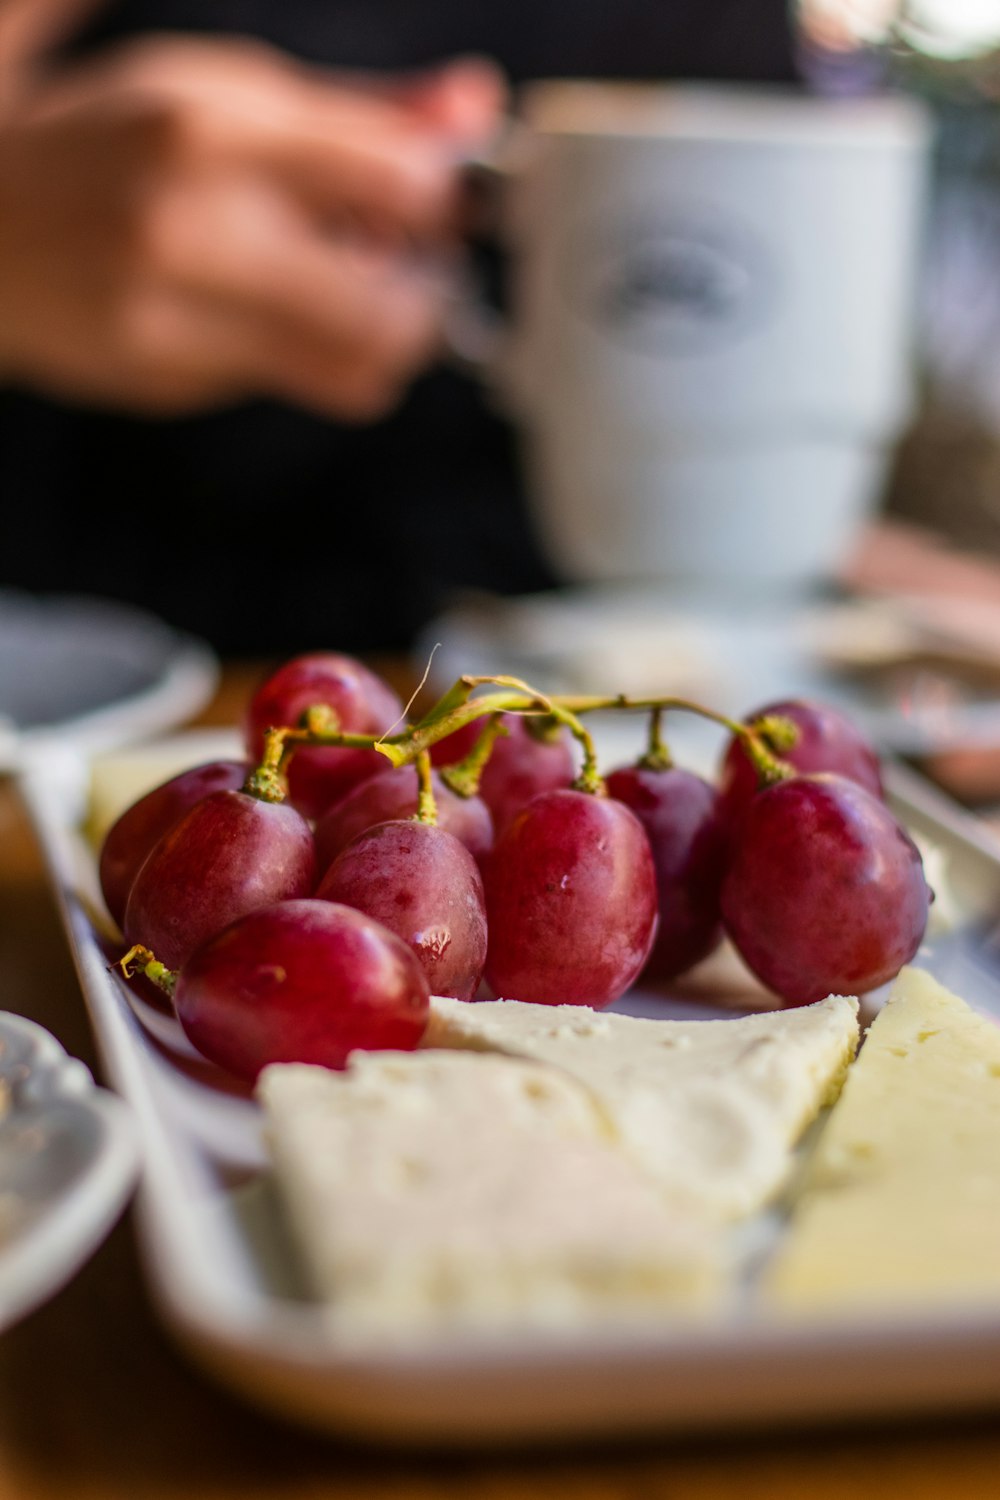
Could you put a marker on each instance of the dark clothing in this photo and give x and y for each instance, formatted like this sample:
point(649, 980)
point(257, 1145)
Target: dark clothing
point(548, 38)
point(266, 529)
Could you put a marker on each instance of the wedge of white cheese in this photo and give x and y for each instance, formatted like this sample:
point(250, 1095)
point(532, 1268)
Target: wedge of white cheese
point(901, 1199)
point(432, 1189)
point(709, 1111)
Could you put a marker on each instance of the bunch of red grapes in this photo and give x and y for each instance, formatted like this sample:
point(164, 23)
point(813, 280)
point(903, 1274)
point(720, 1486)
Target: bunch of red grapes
point(299, 918)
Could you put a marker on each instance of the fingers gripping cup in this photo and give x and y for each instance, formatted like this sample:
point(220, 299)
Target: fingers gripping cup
point(709, 355)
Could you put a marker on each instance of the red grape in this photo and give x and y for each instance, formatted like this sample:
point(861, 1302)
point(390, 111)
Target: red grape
point(521, 765)
point(302, 981)
point(146, 821)
point(679, 812)
point(570, 901)
point(229, 854)
point(827, 741)
point(420, 882)
point(319, 774)
point(393, 794)
point(825, 892)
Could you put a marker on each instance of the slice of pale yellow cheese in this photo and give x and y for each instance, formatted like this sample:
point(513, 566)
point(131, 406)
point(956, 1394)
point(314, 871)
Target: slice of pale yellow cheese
point(709, 1111)
point(436, 1189)
point(901, 1199)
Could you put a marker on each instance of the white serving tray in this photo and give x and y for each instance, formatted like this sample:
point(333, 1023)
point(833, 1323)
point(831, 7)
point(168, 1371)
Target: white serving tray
point(226, 1283)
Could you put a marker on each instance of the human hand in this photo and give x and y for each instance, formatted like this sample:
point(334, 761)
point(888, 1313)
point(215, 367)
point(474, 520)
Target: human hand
point(187, 223)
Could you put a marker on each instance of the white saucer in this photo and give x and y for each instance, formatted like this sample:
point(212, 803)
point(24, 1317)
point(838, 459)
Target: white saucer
point(68, 1160)
point(92, 673)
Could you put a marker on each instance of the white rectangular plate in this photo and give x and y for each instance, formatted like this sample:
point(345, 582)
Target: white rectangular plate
point(226, 1282)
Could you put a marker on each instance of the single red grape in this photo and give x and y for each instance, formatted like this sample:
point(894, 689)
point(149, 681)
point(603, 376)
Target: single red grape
point(679, 812)
point(827, 741)
point(521, 765)
point(825, 891)
point(393, 794)
point(570, 901)
point(143, 824)
point(421, 883)
point(302, 981)
point(319, 774)
point(229, 854)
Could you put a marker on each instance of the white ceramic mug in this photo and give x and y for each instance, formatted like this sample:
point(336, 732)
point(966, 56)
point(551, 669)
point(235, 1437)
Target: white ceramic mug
point(709, 352)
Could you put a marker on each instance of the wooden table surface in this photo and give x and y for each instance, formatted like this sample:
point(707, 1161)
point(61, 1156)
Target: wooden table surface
point(95, 1403)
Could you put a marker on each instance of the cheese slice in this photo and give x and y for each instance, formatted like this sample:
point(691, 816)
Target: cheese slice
point(432, 1189)
point(901, 1200)
point(709, 1111)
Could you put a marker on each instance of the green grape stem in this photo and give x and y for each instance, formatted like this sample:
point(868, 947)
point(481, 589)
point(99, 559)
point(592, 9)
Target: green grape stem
point(590, 779)
point(265, 781)
point(145, 962)
point(768, 766)
point(657, 756)
point(558, 709)
point(779, 732)
point(319, 725)
point(426, 804)
point(403, 748)
point(458, 707)
point(545, 730)
point(464, 776)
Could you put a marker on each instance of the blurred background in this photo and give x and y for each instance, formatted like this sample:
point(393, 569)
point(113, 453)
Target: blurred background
point(947, 52)
point(266, 514)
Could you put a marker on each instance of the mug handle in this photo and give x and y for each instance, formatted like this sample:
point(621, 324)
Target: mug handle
point(475, 333)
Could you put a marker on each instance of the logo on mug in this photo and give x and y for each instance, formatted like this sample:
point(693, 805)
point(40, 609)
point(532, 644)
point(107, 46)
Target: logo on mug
point(675, 283)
